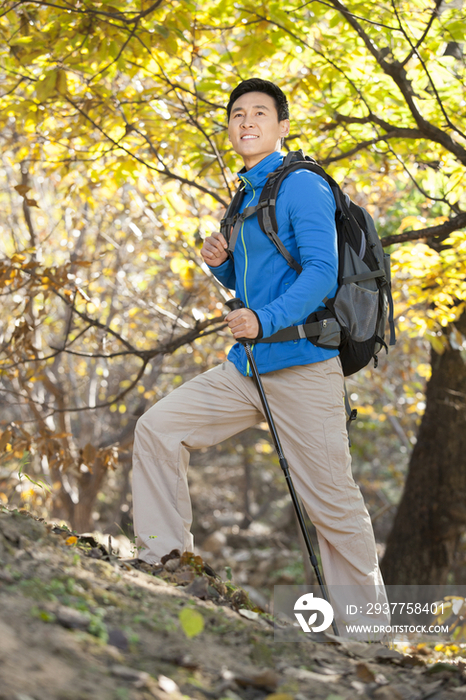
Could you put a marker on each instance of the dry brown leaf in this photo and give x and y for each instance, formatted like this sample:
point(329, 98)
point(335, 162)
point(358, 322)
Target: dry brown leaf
point(88, 455)
point(5, 439)
point(184, 576)
point(364, 673)
point(302, 674)
point(387, 692)
point(267, 679)
point(22, 189)
point(199, 588)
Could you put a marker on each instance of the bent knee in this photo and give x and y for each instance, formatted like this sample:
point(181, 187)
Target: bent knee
point(160, 424)
point(152, 421)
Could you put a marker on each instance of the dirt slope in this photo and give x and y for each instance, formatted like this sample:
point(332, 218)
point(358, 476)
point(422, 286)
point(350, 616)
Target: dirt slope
point(76, 627)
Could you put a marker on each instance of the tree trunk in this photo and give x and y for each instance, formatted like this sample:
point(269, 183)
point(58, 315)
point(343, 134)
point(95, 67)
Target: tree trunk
point(432, 513)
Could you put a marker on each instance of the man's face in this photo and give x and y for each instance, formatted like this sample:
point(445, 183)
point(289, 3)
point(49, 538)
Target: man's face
point(254, 129)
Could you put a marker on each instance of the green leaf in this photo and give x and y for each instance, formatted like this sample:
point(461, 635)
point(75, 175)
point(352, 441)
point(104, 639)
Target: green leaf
point(46, 86)
point(160, 29)
point(191, 621)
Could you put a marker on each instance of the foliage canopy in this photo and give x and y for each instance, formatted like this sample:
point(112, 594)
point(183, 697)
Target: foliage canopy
point(116, 164)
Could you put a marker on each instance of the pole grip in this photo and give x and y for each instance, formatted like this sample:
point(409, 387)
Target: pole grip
point(234, 304)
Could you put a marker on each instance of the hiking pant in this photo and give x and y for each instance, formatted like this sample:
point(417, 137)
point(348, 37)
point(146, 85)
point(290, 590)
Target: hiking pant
point(307, 403)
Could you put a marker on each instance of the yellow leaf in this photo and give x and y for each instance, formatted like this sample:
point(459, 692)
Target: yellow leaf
point(45, 86)
point(185, 269)
point(61, 83)
point(191, 621)
point(71, 540)
point(176, 264)
point(187, 277)
point(411, 222)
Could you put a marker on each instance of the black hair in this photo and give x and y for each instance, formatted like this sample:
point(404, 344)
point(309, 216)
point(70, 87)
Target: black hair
point(259, 85)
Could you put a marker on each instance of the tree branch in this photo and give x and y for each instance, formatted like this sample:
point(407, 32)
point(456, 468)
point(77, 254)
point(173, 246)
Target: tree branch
point(415, 52)
point(455, 224)
point(395, 134)
point(105, 68)
point(417, 185)
point(120, 16)
point(420, 41)
point(311, 48)
point(145, 355)
point(372, 119)
point(166, 171)
point(363, 19)
point(398, 74)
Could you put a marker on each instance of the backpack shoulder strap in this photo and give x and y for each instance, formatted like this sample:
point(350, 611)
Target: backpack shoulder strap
point(266, 212)
point(230, 224)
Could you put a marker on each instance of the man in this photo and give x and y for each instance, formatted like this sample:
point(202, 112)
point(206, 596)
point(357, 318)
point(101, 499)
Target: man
point(303, 382)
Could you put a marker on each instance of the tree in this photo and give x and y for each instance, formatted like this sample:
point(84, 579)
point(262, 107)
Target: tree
point(113, 98)
point(437, 467)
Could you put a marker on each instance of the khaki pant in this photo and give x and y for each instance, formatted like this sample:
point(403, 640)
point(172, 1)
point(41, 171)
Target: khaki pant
point(307, 403)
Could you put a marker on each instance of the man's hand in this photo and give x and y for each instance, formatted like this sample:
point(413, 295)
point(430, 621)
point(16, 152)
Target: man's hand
point(243, 323)
point(214, 250)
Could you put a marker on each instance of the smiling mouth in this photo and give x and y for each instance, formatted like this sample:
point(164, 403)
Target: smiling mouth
point(249, 136)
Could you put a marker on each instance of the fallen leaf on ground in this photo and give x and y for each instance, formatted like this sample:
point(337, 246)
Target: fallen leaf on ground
point(139, 678)
point(387, 692)
point(184, 575)
point(168, 685)
point(118, 639)
point(172, 564)
point(71, 618)
point(191, 621)
point(364, 673)
point(302, 674)
point(267, 679)
point(199, 587)
point(248, 614)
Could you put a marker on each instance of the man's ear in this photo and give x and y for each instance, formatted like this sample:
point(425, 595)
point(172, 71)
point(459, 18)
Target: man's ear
point(284, 128)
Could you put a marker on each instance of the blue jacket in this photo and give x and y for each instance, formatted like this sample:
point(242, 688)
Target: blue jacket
point(263, 280)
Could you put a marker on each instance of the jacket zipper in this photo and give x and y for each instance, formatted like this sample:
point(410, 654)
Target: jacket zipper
point(246, 264)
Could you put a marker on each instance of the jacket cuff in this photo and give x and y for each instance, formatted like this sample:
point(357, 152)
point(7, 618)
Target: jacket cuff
point(220, 268)
point(265, 324)
point(260, 334)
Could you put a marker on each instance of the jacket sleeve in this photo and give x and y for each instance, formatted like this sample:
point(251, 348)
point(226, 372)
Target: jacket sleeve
point(310, 208)
point(225, 273)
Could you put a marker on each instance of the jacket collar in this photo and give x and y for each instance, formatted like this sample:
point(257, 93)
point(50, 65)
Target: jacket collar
point(257, 176)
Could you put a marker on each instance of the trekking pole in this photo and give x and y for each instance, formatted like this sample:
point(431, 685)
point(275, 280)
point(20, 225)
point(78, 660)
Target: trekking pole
point(234, 304)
